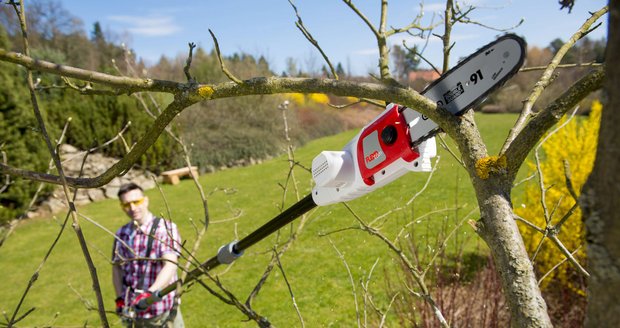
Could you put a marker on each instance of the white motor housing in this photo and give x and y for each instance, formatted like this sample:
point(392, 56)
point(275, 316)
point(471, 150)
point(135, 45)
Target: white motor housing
point(378, 155)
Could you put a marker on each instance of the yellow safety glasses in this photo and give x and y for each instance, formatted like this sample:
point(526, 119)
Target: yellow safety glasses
point(136, 202)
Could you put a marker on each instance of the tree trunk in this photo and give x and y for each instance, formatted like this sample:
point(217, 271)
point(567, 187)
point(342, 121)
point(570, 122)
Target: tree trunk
point(601, 194)
point(499, 230)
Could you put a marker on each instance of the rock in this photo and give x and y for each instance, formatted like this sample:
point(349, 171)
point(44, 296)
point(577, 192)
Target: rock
point(53, 205)
point(68, 149)
point(95, 165)
point(95, 194)
point(111, 192)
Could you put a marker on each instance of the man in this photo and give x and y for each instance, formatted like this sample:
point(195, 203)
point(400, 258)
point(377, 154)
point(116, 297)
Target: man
point(146, 251)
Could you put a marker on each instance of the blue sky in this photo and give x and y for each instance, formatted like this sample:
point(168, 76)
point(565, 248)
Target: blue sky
point(267, 28)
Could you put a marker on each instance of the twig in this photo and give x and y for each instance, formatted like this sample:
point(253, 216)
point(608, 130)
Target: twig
point(536, 153)
point(445, 146)
point(543, 190)
point(419, 279)
point(545, 79)
point(445, 242)
point(290, 154)
point(506, 29)
point(580, 65)
point(188, 63)
point(569, 181)
point(419, 54)
point(300, 25)
point(418, 219)
point(557, 266)
point(219, 57)
point(119, 135)
point(351, 280)
point(35, 276)
point(72, 210)
point(568, 255)
point(367, 296)
point(414, 197)
point(290, 289)
point(384, 316)
point(445, 38)
point(526, 179)
point(529, 224)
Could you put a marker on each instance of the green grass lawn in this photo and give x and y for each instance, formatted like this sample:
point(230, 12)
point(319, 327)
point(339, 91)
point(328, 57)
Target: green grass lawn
point(317, 275)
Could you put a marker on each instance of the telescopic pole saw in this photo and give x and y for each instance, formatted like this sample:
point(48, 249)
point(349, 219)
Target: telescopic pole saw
point(398, 141)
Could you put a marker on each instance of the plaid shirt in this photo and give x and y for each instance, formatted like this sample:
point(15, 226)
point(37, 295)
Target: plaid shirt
point(166, 240)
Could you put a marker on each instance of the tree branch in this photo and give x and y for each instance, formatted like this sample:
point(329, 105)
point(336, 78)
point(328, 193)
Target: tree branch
point(126, 84)
point(219, 57)
point(533, 131)
point(256, 86)
point(546, 78)
point(300, 25)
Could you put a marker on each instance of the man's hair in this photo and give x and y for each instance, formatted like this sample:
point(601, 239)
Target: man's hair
point(127, 188)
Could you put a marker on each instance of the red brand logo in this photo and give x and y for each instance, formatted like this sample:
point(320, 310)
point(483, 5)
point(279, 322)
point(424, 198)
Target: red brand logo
point(372, 156)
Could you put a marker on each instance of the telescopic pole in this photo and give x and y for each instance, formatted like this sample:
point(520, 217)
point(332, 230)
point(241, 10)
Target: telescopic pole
point(289, 215)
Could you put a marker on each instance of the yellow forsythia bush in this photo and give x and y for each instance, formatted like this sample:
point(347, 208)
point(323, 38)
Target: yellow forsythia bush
point(319, 98)
point(297, 98)
point(575, 143)
point(301, 99)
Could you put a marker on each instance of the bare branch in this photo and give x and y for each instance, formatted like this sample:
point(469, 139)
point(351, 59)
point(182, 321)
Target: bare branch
point(300, 25)
point(188, 62)
point(416, 274)
point(568, 255)
point(128, 85)
point(469, 21)
point(557, 266)
point(414, 197)
point(569, 181)
point(444, 243)
point(219, 57)
point(53, 153)
point(445, 38)
point(580, 65)
point(407, 97)
point(445, 146)
point(534, 130)
point(545, 80)
point(290, 289)
point(351, 280)
point(529, 224)
point(419, 54)
point(35, 276)
point(365, 19)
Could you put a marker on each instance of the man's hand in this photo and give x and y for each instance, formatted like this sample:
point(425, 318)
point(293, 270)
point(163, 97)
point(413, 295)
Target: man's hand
point(120, 304)
point(140, 302)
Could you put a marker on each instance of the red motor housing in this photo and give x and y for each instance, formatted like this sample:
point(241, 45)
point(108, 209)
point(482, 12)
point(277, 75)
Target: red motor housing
point(382, 142)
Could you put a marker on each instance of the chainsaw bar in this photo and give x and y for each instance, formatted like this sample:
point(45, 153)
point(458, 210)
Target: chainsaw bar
point(469, 83)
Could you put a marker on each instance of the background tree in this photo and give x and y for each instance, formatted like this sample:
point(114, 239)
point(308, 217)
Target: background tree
point(19, 138)
point(601, 194)
point(405, 61)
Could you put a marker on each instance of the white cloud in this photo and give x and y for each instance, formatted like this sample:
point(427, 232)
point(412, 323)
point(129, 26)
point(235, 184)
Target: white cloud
point(148, 26)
